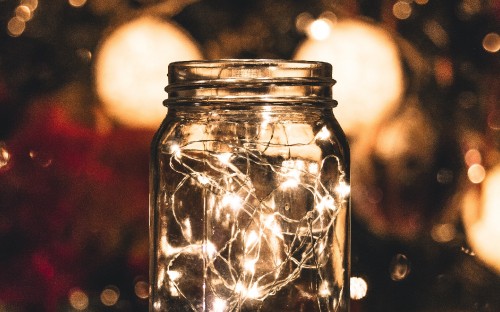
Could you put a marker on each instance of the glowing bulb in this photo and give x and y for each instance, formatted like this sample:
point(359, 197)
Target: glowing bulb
point(359, 288)
point(313, 168)
point(323, 134)
point(203, 179)
point(324, 289)
point(320, 29)
point(176, 151)
point(326, 202)
point(253, 292)
point(130, 69)
point(232, 200)
point(224, 158)
point(173, 275)
point(219, 305)
point(210, 249)
point(249, 265)
point(299, 165)
point(476, 173)
point(271, 224)
point(239, 288)
point(290, 183)
point(157, 305)
point(343, 189)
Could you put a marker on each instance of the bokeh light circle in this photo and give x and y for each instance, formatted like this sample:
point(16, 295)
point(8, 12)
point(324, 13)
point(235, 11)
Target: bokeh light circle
point(131, 69)
point(367, 67)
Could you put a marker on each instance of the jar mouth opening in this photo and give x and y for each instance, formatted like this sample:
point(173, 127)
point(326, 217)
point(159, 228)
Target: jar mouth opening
point(249, 80)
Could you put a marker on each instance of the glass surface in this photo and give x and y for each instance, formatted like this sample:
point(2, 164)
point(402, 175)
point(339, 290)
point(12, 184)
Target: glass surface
point(250, 207)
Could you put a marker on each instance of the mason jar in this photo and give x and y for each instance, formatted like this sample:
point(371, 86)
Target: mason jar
point(249, 190)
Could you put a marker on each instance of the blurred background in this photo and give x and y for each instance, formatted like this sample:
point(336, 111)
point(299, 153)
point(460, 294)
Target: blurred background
point(81, 90)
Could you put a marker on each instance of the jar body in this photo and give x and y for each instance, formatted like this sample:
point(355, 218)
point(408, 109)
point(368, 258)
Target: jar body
point(249, 209)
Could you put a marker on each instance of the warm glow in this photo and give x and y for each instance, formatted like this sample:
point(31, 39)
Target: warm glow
point(203, 179)
point(401, 10)
point(210, 249)
point(224, 158)
point(366, 65)
point(292, 170)
point(173, 275)
point(313, 168)
point(23, 12)
point(290, 183)
point(472, 156)
point(219, 305)
point(249, 265)
point(176, 151)
point(186, 229)
point(476, 173)
point(436, 33)
point(443, 233)
point(16, 26)
point(320, 29)
point(491, 42)
point(141, 289)
point(323, 134)
point(343, 189)
point(251, 239)
point(4, 155)
point(78, 299)
point(31, 4)
point(399, 267)
point(110, 295)
point(359, 288)
point(481, 220)
point(41, 158)
point(232, 200)
point(253, 292)
point(131, 69)
point(77, 3)
point(324, 289)
point(326, 202)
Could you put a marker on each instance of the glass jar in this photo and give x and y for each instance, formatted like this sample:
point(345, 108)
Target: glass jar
point(249, 190)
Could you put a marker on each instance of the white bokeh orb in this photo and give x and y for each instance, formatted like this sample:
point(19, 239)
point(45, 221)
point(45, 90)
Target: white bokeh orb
point(131, 69)
point(367, 66)
point(481, 217)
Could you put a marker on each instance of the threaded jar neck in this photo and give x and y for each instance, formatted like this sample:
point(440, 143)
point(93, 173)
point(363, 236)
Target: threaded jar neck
point(236, 81)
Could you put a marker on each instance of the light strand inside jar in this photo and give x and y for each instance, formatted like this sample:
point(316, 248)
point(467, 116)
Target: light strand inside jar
point(251, 247)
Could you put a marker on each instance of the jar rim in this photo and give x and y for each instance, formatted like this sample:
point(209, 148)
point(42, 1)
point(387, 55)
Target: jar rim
point(249, 80)
point(238, 68)
point(257, 62)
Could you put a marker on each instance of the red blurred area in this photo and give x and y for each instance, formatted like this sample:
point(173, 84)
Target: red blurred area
point(72, 198)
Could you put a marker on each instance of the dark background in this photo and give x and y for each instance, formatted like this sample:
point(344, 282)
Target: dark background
point(74, 181)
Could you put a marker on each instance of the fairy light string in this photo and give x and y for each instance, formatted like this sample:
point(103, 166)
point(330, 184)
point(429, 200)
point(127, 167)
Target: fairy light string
point(252, 247)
